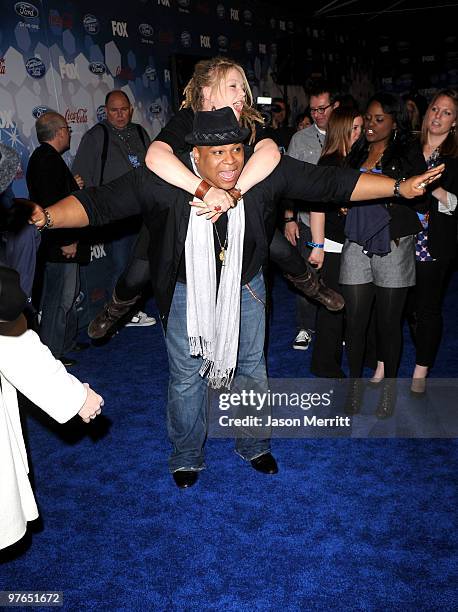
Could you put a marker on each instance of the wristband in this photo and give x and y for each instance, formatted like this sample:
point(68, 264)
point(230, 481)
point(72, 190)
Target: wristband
point(315, 245)
point(49, 222)
point(236, 195)
point(202, 190)
point(289, 219)
point(397, 187)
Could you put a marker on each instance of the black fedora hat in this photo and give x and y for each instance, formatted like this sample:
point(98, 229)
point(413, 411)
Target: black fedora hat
point(218, 127)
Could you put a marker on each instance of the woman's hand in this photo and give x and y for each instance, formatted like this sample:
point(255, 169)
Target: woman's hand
point(92, 406)
point(316, 258)
point(292, 232)
point(216, 202)
point(416, 185)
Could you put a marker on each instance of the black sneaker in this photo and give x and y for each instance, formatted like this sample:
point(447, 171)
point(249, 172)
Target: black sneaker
point(303, 340)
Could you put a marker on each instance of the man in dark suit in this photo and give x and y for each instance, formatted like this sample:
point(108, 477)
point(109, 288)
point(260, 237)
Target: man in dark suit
point(207, 277)
point(50, 180)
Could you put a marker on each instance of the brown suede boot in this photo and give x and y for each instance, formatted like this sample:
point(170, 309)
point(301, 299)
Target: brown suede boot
point(311, 286)
point(111, 314)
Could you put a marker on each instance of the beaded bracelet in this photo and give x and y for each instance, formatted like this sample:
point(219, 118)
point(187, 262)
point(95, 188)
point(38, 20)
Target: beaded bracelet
point(49, 222)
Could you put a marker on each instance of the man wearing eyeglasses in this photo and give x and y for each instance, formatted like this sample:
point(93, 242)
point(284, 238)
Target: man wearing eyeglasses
point(306, 145)
point(49, 180)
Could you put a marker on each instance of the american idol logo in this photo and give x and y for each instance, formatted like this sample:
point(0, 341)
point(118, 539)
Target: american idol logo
point(101, 113)
point(26, 10)
point(91, 24)
point(98, 68)
point(223, 42)
point(155, 109)
point(186, 39)
point(247, 17)
point(146, 30)
point(220, 11)
point(35, 67)
point(184, 3)
point(38, 111)
point(150, 73)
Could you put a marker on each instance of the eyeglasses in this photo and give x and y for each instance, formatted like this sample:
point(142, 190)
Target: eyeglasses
point(320, 109)
point(65, 127)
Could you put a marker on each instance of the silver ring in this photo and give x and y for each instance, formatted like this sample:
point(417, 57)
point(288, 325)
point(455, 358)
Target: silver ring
point(422, 185)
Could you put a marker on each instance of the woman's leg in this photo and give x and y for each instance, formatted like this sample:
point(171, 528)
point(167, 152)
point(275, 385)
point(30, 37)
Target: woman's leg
point(358, 302)
point(390, 305)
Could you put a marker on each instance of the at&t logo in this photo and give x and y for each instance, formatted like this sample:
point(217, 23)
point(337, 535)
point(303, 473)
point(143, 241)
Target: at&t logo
point(146, 30)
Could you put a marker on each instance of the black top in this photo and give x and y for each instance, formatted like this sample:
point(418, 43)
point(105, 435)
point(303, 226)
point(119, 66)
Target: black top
point(334, 225)
point(166, 211)
point(48, 181)
point(407, 161)
point(442, 228)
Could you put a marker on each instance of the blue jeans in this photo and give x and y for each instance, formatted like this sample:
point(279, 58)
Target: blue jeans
point(59, 319)
point(187, 397)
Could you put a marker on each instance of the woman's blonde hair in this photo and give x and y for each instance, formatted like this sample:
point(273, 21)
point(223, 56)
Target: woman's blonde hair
point(210, 73)
point(450, 145)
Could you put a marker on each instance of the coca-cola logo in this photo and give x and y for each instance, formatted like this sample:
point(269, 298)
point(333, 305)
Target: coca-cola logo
point(76, 116)
point(125, 73)
point(26, 10)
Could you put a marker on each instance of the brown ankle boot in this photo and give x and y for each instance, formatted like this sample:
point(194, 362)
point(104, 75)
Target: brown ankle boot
point(109, 316)
point(311, 286)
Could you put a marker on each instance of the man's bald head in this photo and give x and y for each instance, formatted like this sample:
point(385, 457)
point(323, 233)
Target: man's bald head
point(53, 129)
point(119, 109)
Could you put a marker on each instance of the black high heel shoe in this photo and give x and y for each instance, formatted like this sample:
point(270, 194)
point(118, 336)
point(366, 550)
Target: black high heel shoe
point(354, 399)
point(387, 401)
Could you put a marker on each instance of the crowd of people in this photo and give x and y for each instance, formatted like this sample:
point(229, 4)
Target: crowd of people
point(370, 215)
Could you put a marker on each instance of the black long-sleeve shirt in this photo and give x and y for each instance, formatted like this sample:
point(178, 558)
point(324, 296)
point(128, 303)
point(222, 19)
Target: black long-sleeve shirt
point(166, 211)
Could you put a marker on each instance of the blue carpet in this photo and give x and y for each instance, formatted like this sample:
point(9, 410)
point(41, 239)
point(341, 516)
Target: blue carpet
point(346, 525)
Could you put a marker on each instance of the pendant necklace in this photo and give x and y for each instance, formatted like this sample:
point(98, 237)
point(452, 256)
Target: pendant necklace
point(223, 247)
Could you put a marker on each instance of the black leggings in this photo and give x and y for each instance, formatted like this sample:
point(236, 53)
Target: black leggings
point(389, 304)
point(137, 273)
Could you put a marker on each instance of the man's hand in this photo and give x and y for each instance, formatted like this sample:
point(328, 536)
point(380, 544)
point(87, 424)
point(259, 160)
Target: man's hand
point(37, 215)
point(80, 181)
point(292, 232)
point(92, 406)
point(316, 258)
point(416, 185)
point(69, 251)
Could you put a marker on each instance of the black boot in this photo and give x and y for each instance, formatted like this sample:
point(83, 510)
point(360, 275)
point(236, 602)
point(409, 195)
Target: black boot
point(311, 286)
point(387, 401)
point(111, 314)
point(354, 399)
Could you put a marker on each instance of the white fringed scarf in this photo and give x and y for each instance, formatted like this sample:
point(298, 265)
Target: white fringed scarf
point(213, 321)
